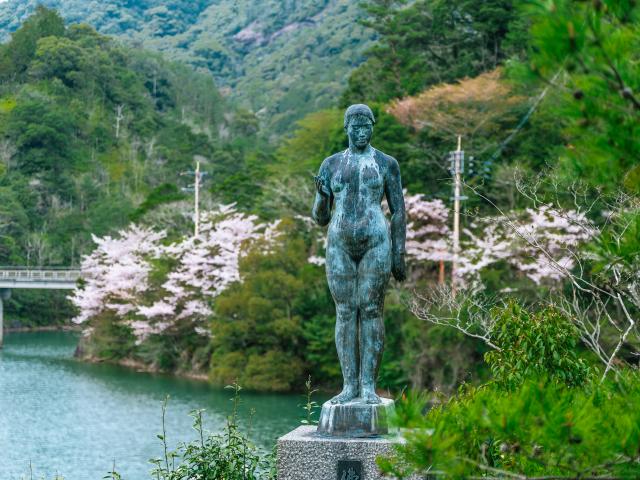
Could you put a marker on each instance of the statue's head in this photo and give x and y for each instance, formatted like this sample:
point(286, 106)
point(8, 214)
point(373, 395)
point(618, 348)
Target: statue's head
point(358, 123)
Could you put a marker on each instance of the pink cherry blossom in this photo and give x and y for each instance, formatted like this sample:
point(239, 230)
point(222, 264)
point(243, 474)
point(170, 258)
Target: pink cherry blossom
point(117, 272)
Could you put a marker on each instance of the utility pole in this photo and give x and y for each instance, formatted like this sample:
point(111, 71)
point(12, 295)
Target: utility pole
point(457, 168)
point(195, 188)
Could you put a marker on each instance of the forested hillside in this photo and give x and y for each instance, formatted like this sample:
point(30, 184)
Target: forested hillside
point(249, 295)
point(512, 348)
point(281, 59)
point(94, 134)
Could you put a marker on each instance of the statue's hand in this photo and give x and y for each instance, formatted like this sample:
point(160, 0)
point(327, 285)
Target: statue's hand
point(398, 267)
point(321, 187)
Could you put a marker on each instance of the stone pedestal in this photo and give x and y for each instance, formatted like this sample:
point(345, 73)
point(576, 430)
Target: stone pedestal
point(356, 419)
point(304, 454)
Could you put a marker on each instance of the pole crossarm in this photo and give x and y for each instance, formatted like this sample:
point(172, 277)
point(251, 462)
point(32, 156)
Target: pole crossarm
point(39, 278)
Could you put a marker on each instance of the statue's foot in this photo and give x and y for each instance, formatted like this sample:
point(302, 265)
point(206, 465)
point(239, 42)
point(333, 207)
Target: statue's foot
point(369, 396)
point(347, 394)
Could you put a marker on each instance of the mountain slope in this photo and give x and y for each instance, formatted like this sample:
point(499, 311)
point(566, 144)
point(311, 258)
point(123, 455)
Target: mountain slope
point(281, 58)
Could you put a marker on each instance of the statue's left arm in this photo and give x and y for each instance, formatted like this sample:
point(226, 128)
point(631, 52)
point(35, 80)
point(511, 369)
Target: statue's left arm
point(395, 199)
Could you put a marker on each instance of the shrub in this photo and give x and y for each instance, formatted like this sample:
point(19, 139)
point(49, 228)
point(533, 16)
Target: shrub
point(229, 455)
point(541, 343)
point(538, 429)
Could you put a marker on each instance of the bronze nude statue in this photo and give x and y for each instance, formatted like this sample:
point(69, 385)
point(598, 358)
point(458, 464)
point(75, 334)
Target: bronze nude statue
point(363, 249)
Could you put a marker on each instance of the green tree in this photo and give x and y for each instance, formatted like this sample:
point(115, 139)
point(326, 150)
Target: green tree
point(430, 42)
point(21, 49)
point(537, 431)
point(58, 57)
point(534, 345)
point(591, 50)
point(258, 324)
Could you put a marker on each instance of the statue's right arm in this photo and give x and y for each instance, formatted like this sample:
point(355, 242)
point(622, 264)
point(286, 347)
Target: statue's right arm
point(321, 211)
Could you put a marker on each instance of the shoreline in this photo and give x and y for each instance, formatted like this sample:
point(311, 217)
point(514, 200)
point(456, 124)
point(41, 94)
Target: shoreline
point(140, 367)
point(126, 362)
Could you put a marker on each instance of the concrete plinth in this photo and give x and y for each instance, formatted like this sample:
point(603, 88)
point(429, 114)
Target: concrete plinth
point(356, 419)
point(304, 454)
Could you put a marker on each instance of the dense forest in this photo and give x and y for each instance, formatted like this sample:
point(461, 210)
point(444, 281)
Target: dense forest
point(96, 135)
point(535, 330)
point(280, 59)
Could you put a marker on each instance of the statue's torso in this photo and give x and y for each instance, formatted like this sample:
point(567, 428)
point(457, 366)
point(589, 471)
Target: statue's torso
point(357, 182)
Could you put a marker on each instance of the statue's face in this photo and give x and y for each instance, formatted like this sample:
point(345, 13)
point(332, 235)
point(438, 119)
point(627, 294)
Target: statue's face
point(359, 131)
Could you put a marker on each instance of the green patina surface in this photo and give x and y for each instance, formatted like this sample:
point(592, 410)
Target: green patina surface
point(363, 248)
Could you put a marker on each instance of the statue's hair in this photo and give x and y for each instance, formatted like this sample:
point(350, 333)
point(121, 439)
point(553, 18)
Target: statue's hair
point(356, 110)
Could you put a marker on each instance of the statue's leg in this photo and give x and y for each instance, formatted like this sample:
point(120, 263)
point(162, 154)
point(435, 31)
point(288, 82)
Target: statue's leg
point(342, 278)
point(373, 277)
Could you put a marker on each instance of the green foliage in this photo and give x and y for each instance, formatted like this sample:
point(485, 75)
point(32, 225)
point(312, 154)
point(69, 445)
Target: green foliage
point(258, 323)
point(618, 247)
point(240, 174)
point(281, 59)
point(312, 141)
point(533, 345)
point(537, 430)
point(395, 371)
point(16, 56)
point(430, 42)
point(110, 341)
point(179, 349)
point(23, 303)
point(591, 50)
point(41, 131)
point(229, 455)
point(440, 358)
point(165, 193)
point(320, 351)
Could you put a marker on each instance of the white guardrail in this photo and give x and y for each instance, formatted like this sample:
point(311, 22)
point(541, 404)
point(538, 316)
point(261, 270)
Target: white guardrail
point(29, 275)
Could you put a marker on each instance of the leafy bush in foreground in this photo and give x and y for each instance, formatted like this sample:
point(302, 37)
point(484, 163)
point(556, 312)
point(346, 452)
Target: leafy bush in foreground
point(538, 429)
point(541, 343)
point(228, 455)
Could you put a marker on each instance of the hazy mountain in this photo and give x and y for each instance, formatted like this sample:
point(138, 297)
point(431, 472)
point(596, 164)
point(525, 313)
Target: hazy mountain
point(280, 58)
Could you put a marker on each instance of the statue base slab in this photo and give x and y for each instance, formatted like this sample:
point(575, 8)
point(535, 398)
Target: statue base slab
point(356, 419)
point(304, 454)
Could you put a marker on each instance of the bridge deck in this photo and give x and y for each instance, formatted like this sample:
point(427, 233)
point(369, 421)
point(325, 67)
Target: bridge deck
point(43, 278)
point(39, 278)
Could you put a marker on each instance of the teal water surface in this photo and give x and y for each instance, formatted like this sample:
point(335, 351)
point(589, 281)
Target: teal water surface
point(75, 419)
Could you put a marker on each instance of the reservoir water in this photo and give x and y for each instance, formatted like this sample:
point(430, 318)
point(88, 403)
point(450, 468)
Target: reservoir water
point(73, 419)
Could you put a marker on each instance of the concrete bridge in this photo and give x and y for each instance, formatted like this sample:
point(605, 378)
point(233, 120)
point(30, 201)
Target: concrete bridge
point(38, 278)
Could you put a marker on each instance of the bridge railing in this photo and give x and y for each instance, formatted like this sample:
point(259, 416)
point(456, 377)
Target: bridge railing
point(33, 275)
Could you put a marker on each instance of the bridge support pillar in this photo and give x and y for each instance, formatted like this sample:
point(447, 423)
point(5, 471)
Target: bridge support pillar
point(5, 294)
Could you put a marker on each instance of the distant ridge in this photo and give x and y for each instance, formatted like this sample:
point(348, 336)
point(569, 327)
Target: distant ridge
point(279, 58)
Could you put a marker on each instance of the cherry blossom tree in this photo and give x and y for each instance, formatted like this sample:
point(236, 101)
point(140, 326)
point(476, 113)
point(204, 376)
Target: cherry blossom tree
point(539, 243)
point(116, 273)
point(206, 264)
point(428, 234)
